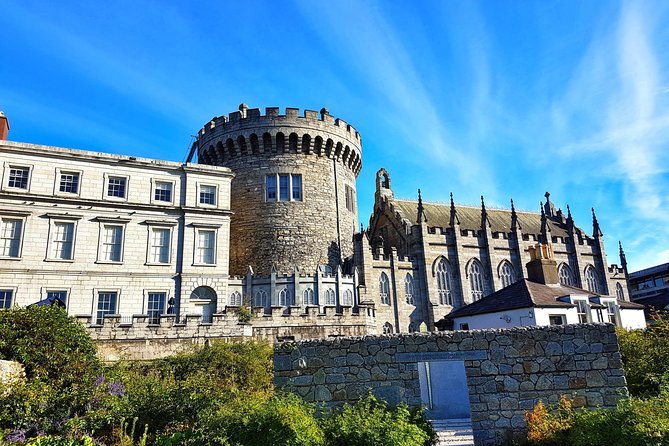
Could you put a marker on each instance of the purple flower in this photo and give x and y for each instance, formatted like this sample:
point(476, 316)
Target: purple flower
point(100, 380)
point(116, 388)
point(17, 436)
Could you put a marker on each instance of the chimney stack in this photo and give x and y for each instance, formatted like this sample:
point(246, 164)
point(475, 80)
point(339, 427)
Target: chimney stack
point(542, 268)
point(4, 126)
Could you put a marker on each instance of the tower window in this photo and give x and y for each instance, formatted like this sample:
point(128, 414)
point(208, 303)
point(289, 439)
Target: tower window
point(350, 198)
point(289, 187)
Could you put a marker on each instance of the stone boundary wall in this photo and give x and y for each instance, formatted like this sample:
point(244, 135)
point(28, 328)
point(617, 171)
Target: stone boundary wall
point(137, 338)
point(507, 370)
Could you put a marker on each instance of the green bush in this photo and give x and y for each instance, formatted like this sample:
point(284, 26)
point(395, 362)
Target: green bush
point(370, 422)
point(282, 420)
point(634, 422)
point(645, 355)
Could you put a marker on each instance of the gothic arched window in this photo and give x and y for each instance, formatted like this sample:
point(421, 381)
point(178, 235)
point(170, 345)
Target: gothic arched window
point(443, 274)
point(308, 297)
point(348, 298)
point(591, 279)
point(330, 297)
point(384, 289)
point(408, 289)
point(507, 274)
point(387, 328)
point(619, 292)
point(284, 297)
point(236, 299)
point(476, 279)
point(260, 299)
point(566, 276)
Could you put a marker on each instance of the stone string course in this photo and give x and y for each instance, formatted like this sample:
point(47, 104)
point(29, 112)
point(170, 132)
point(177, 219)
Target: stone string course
point(520, 366)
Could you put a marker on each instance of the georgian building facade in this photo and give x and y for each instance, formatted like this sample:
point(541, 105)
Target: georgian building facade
point(112, 235)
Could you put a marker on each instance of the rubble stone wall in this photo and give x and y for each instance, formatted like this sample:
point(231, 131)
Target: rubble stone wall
point(508, 371)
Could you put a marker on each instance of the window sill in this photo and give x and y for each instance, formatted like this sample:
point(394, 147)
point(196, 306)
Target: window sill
point(115, 199)
point(60, 260)
point(67, 194)
point(15, 259)
point(157, 264)
point(209, 265)
point(109, 262)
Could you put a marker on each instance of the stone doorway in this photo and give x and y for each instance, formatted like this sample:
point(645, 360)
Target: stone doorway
point(443, 389)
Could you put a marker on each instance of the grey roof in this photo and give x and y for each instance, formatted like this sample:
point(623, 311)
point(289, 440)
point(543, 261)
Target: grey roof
point(527, 294)
point(439, 215)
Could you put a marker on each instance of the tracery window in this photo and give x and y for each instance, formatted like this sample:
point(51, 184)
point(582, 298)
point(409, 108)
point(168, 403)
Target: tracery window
point(408, 289)
point(591, 279)
point(507, 274)
point(444, 282)
point(476, 279)
point(330, 297)
point(566, 276)
point(308, 297)
point(284, 297)
point(236, 299)
point(260, 299)
point(619, 292)
point(384, 289)
point(348, 298)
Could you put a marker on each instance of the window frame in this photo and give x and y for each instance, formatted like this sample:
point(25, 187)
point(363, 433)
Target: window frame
point(476, 278)
point(155, 319)
point(96, 303)
point(196, 245)
point(330, 298)
point(151, 227)
point(308, 297)
point(507, 274)
point(105, 191)
point(215, 195)
point(277, 185)
point(565, 272)
point(384, 289)
point(14, 217)
point(592, 281)
point(7, 171)
point(409, 289)
point(444, 281)
point(101, 237)
point(347, 298)
point(562, 317)
point(154, 188)
point(12, 301)
point(67, 290)
point(59, 174)
point(587, 313)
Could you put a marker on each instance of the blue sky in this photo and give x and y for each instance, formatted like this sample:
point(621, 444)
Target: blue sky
point(495, 98)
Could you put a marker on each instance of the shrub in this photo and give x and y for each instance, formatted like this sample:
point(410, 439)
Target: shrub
point(283, 420)
point(645, 355)
point(634, 422)
point(370, 422)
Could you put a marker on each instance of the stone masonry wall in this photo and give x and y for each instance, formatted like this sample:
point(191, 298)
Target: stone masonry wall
point(316, 230)
point(507, 371)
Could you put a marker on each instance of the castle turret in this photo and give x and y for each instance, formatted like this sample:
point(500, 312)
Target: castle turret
point(294, 192)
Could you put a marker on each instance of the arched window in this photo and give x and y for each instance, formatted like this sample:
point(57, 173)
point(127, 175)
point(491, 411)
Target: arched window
point(476, 279)
point(408, 289)
point(591, 279)
point(619, 292)
point(387, 328)
point(330, 297)
point(260, 299)
point(507, 274)
point(308, 297)
point(443, 274)
point(566, 276)
point(284, 297)
point(236, 299)
point(384, 289)
point(348, 298)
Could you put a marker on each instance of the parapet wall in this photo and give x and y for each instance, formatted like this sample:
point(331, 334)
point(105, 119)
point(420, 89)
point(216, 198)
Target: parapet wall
point(507, 371)
point(142, 338)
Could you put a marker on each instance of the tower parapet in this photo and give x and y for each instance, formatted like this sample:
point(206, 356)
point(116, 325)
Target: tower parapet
point(294, 191)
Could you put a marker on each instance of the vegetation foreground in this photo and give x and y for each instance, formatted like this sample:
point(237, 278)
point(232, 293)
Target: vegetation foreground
point(223, 395)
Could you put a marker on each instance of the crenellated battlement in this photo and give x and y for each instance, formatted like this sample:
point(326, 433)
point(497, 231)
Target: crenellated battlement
point(248, 132)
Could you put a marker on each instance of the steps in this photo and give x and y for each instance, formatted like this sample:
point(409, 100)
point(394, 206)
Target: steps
point(454, 432)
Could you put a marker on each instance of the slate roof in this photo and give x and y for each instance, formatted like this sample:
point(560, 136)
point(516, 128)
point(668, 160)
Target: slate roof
point(526, 294)
point(439, 215)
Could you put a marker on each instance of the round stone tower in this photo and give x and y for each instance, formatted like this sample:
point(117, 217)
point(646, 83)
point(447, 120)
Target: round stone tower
point(294, 194)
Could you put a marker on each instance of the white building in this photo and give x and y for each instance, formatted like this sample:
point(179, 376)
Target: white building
point(110, 234)
point(542, 300)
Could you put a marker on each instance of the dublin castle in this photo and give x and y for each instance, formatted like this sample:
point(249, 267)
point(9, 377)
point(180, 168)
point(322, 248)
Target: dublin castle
point(154, 255)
